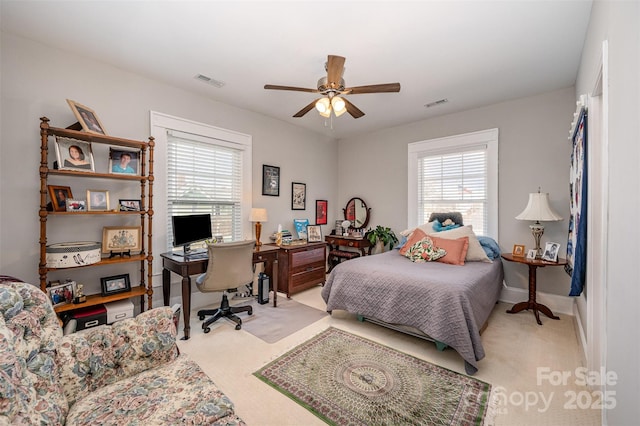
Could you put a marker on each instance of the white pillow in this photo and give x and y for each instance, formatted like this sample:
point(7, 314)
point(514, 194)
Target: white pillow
point(475, 253)
point(426, 227)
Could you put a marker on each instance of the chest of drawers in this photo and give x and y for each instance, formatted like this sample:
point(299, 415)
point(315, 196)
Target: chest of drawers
point(301, 267)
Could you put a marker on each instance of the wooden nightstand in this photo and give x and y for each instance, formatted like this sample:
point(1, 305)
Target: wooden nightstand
point(336, 255)
point(533, 264)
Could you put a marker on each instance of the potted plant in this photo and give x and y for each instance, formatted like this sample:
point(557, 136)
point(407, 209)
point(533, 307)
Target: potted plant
point(382, 236)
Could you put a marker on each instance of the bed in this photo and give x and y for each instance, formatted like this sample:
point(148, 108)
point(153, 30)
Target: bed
point(447, 303)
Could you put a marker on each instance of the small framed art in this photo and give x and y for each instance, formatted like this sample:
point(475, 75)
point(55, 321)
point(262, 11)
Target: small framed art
point(120, 239)
point(550, 252)
point(298, 196)
point(314, 233)
point(531, 254)
point(129, 205)
point(270, 180)
point(301, 228)
point(76, 205)
point(321, 212)
point(115, 284)
point(63, 293)
point(59, 195)
point(124, 162)
point(87, 118)
point(518, 250)
point(97, 200)
point(73, 154)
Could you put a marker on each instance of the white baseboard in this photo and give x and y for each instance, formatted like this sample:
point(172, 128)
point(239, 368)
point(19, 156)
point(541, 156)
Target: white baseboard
point(555, 302)
point(580, 333)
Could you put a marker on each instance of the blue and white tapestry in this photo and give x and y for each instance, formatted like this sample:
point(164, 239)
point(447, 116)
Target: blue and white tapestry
point(576, 265)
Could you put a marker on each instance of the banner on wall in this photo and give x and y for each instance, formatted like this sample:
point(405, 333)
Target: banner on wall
point(577, 240)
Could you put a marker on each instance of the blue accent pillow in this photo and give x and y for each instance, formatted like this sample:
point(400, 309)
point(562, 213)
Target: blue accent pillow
point(490, 247)
point(438, 227)
point(403, 241)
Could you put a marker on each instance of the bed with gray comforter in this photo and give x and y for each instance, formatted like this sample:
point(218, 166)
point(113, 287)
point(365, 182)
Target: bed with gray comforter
point(449, 303)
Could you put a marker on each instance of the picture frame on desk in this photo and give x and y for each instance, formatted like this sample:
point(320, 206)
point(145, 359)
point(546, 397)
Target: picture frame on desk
point(115, 284)
point(518, 250)
point(531, 254)
point(314, 233)
point(550, 253)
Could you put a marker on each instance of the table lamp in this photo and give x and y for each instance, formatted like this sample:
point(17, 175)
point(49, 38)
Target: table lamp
point(258, 216)
point(538, 209)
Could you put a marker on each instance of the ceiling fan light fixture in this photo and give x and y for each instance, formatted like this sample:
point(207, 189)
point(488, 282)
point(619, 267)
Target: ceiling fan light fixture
point(323, 106)
point(339, 106)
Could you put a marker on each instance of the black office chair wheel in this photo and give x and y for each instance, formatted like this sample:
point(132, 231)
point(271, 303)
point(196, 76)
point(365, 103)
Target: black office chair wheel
point(206, 330)
point(238, 326)
point(201, 317)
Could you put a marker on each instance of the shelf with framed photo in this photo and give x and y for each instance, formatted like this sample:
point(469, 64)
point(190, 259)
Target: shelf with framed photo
point(70, 166)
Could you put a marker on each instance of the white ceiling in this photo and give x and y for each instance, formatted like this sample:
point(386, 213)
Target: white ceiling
point(472, 53)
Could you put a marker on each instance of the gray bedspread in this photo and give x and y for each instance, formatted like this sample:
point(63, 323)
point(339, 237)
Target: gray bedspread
point(449, 303)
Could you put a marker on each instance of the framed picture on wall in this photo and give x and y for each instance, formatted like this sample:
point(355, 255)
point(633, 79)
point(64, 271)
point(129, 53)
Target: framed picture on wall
point(321, 212)
point(298, 196)
point(270, 180)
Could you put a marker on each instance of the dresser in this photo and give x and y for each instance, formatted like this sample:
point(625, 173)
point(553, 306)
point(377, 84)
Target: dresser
point(301, 267)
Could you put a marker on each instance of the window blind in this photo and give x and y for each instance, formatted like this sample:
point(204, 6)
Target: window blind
point(204, 175)
point(455, 181)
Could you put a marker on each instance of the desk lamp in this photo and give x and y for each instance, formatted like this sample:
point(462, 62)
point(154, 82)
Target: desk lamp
point(258, 216)
point(538, 209)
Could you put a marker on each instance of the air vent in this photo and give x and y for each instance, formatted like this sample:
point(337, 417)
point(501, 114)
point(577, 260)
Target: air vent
point(209, 80)
point(441, 101)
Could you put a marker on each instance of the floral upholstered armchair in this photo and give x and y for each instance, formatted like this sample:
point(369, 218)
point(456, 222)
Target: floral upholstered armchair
point(127, 373)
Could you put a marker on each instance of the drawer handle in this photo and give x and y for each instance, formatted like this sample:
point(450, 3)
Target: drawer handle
point(91, 323)
point(309, 269)
point(350, 243)
point(259, 257)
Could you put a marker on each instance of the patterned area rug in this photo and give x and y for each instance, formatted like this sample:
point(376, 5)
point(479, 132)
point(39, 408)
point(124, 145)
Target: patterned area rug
point(348, 380)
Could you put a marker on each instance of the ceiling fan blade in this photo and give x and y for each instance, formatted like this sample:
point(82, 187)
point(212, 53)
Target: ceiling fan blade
point(335, 68)
point(306, 109)
point(352, 109)
point(295, 89)
point(373, 88)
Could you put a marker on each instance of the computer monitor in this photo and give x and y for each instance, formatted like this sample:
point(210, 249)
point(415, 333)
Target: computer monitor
point(188, 229)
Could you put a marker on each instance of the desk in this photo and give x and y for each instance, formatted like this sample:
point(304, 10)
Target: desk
point(533, 264)
point(337, 241)
point(266, 254)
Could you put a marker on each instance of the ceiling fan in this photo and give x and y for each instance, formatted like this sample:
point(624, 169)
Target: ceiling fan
point(332, 87)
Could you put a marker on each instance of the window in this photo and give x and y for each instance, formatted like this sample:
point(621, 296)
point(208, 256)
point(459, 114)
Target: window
point(458, 173)
point(208, 170)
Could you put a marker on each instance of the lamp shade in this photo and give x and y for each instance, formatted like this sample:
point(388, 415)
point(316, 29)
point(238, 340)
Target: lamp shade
point(258, 215)
point(538, 209)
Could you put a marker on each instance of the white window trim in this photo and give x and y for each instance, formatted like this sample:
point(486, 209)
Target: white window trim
point(487, 137)
point(160, 124)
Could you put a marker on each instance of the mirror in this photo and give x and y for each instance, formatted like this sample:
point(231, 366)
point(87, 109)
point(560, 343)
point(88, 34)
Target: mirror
point(357, 212)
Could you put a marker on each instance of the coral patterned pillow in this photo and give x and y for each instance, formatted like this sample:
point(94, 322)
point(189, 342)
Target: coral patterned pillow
point(456, 249)
point(415, 237)
point(424, 251)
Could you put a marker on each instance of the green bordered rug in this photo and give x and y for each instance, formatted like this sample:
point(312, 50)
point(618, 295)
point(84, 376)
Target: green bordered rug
point(348, 380)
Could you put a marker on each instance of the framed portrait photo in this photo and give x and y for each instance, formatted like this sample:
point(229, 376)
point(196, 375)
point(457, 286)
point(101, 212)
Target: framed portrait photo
point(298, 196)
point(321, 212)
point(87, 118)
point(129, 205)
point(532, 254)
point(62, 294)
point(124, 162)
point(270, 180)
point(74, 154)
point(518, 250)
point(115, 284)
point(120, 239)
point(97, 200)
point(550, 253)
point(314, 233)
point(59, 195)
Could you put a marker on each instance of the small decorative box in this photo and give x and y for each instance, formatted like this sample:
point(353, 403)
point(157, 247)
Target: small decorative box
point(72, 254)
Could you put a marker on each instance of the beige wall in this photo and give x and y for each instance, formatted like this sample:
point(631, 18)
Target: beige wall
point(533, 151)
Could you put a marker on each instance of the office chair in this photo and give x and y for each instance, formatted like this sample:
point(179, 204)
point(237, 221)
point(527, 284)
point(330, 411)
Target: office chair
point(230, 266)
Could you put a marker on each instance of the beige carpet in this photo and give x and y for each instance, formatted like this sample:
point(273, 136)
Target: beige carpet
point(273, 324)
point(515, 347)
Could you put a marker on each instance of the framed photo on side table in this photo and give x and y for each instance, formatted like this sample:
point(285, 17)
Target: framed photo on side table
point(550, 253)
point(518, 250)
point(531, 254)
point(270, 180)
point(115, 284)
point(314, 233)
